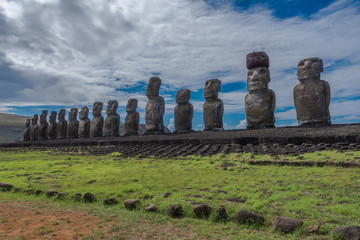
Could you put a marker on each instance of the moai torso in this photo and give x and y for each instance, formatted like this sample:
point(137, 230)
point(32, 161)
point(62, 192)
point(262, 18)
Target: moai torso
point(34, 133)
point(112, 120)
point(43, 128)
point(84, 125)
point(97, 122)
point(155, 108)
point(183, 112)
point(26, 135)
point(73, 124)
point(213, 108)
point(132, 118)
point(52, 125)
point(61, 125)
point(312, 95)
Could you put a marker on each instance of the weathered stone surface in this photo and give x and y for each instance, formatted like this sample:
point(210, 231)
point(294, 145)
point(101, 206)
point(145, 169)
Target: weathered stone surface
point(73, 124)
point(257, 59)
point(38, 192)
point(61, 125)
point(51, 193)
point(312, 228)
point(213, 108)
point(77, 196)
point(151, 207)
point(97, 122)
point(183, 112)
point(34, 133)
point(52, 125)
point(84, 125)
point(348, 233)
point(110, 201)
point(155, 108)
point(5, 186)
point(27, 130)
point(260, 101)
point(247, 217)
point(131, 203)
point(312, 95)
point(112, 120)
point(221, 214)
point(202, 210)
point(132, 118)
point(89, 198)
point(174, 210)
point(62, 195)
point(43, 128)
point(286, 225)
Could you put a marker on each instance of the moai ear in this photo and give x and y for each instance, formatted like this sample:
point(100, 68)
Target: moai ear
point(321, 65)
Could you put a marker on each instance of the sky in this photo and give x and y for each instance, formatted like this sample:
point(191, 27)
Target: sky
point(62, 53)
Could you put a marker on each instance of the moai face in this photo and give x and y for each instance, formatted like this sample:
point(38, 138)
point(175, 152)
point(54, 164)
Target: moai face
point(27, 123)
point(258, 78)
point(183, 96)
point(97, 109)
point(131, 105)
point(34, 119)
point(112, 107)
point(84, 113)
point(52, 117)
point(43, 116)
point(73, 114)
point(61, 115)
point(212, 88)
point(310, 68)
point(153, 87)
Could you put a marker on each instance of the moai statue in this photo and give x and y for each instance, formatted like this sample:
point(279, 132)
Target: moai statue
point(155, 108)
point(61, 125)
point(26, 136)
point(183, 112)
point(312, 95)
point(52, 125)
point(97, 122)
point(73, 124)
point(260, 101)
point(44, 126)
point(132, 118)
point(213, 108)
point(34, 133)
point(112, 120)
point(84, 125)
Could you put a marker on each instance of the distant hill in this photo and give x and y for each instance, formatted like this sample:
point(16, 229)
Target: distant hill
point(11, 127)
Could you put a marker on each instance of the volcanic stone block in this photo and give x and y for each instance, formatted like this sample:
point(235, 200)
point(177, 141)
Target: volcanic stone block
point(349, 233)
point(73, 124)
point(257, 59)
point(312, 95)
point(89, 198)
point(202, 211)
point(221, 214)
point(213, 108)
point(84, 125)
point(97, 122)
point(52, 125)
point(27, 130)
point(34, 134)
point(132, 118)
point(183, 112)
point(5, 186)
point(110, 201)
point(43, 128)
point(131, 203)
point(246, 217)
point(174, 210)
point(61, 125)
point(51, 193)
point(155, 108)
point(151, 207)
point(112, 120)
point(286, 225)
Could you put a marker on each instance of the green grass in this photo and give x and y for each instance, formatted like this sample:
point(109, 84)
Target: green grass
point(327, 196)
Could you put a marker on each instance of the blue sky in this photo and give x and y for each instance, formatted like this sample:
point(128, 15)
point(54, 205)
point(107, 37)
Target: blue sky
point(62, 53)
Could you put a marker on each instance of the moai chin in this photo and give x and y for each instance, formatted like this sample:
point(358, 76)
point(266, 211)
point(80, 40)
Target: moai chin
point(112, 120)
point(34, 133)
point(44, 126)
point(52, 125)
point(183, 112)
point(26, 135)
point(73, 124)
point(97, 122)
point(312, 95)
point(155, 108)
point(213, 108)
point(260, 101)
point(132, 118)
point(61, 125)
point(84, 125)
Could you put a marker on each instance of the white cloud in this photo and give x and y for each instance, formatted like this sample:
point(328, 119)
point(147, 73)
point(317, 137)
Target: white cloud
point(242, 124)
point(171, 125)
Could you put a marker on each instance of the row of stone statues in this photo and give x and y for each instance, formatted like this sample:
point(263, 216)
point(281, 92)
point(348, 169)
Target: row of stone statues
point(311, 98)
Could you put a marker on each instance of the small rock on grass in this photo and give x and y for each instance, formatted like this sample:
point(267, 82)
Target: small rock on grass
point(221, 214)
point(110, 201)
point(89, 198)
point(131, 203)
point(62, 195)
point(313, 228)
point(151, 207)
point(77, 196)
point(174, 210)
point(5, 186)
point(247, 217)
point(286, 225)
point(202, 211)
point(51, 193)
point(29, 191)
point(348, 233)
point(38, 192)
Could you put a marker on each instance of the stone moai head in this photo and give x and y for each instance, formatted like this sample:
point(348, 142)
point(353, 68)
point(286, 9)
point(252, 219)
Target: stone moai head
point(27, 123)
point(43, 116)
point(131, 105)
point(153, 87)
point(258, 78)
point(34, 119)
point(73, 114)
point(212, 88)
point(84, 113)
point(52, 117)
point(61, 116)
point(310, 68)
point(97, 109)
point(183, 96)
point(112, 107)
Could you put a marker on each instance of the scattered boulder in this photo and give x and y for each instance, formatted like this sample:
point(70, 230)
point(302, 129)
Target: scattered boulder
point(5, 187)
point(151, 207)
point(38, 192)
point(62, 195)
point(202, 210)
point(89, 198)
point(77, 196)
point(221, 214)
point(348, 233)
point(51, 193)
point(110, 201)
point(245, 217)
point(174, 210)
point(286, 225)
point(131, 203)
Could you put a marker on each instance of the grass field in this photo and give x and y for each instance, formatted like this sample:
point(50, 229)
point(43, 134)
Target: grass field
point(324, 196)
